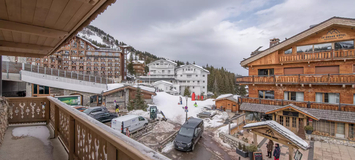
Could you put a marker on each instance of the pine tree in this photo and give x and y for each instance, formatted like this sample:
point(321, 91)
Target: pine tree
point(187, 91)
point(130, 68)
point(215, 89)
point(194, 62)
point(240, 90)
point(187, 63)
point(138, 101)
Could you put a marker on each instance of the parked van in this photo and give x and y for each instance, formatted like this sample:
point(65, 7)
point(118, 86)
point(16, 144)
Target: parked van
point(132, 122)
point(189, 134)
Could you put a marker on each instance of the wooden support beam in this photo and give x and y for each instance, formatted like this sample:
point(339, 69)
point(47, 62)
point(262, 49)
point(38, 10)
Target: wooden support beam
point(22, 54)
point(31, 29)
point(24, 46)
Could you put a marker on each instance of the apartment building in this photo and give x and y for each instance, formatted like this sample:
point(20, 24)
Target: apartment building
point(82, 56)
point(192, 76)
point(138, 67)
point(313, 71)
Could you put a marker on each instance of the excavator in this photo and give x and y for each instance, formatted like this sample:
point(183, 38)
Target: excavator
point(154, 113)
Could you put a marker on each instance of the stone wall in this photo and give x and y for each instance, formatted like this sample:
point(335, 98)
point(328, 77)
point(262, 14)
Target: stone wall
point(232, 141)
point(3, 118)
point(330, 140)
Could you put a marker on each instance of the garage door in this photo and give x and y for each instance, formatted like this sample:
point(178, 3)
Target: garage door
point(298, 70)
point(327, 70)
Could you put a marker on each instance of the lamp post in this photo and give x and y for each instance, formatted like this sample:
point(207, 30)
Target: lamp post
point(186, 108)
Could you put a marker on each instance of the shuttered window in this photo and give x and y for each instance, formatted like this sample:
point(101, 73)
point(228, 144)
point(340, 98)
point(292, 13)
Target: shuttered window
point(298, 70)
point(354, 68)
point(327, 69)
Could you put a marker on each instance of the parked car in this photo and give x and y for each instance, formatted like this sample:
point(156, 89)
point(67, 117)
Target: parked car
point(133, 122)
point(103, 116)
point(189, 134)
point(80, 108)
point(95, 109)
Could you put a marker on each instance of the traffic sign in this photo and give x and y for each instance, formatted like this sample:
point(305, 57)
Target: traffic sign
point(185, 107)
point(186, 110)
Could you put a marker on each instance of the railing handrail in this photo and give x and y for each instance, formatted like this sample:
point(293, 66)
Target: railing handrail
point(337, 74)
point(99, 129)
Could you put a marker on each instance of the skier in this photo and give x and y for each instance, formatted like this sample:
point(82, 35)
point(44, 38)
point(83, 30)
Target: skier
point(195, 104)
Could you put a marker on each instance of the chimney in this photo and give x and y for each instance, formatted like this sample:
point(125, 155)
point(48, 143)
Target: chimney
point(274, 42)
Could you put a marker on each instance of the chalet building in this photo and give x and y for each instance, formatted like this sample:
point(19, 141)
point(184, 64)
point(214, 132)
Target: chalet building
point(227, 102)
point(310, 75)
point(123, 95)
point(138, 67)
point(82, 56)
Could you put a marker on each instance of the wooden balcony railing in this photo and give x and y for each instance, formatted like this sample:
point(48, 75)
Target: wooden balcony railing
point(320, 79)
point(327, 55)
point(83, 137)
point(303, 104)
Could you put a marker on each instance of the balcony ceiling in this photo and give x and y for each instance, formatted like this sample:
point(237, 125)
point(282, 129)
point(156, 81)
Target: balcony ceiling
point(37, 28)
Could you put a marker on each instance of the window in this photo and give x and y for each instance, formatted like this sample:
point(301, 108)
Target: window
point(287, 121)
point(296, 70)
point(351, 130)
point(203, 87)
point(203, 75)
point(266, 94)
point(289, 51)
point(294, 120)
point(327, 69)
point(196, 75)
point(294, 96)
point(188, 76)
point(265, 72)
point(322, 47)
point(327, 97)
point(38, 90)
point(305, 49)
point(141, 118)
point(281, 120)
point(203, 81)
point(344, 45)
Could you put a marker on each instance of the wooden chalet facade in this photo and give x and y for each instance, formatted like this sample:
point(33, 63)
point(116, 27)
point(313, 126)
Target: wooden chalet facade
point(314, 69)
point(81, 56)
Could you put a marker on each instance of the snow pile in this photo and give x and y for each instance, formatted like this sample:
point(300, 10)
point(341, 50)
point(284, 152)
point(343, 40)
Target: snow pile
point(142, 113)
point(173, 111)
point(216, 120)
point(163, 126)
point(39, 132)
point(168, 147)
point(223, 129)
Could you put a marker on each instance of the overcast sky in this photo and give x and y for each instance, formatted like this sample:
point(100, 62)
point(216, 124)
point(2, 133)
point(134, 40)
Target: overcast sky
point(215, 32)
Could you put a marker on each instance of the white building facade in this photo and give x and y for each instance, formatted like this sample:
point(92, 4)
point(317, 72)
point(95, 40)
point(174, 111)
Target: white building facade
point(192, 76)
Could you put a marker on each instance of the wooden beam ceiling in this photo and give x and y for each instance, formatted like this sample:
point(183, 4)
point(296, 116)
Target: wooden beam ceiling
point(24, 46)
point(31, 29)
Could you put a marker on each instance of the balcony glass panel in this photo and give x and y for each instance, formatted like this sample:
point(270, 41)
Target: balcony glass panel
point(305, 49)
point(344, 45)
point(322, 47)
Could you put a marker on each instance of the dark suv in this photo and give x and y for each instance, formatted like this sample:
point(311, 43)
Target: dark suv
point(189, 134)
point(100, 113)
point(94, 110)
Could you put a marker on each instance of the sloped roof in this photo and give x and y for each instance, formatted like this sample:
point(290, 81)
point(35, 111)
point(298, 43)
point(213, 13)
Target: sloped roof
point(169, 61)
point(299, 109)
point(286, 133)
point(162, 81)
point(310, 31)
point(263, 108)
point(144, 89)
point(194, 65)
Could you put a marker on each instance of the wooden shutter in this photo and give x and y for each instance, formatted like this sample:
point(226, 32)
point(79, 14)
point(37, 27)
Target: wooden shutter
point(298, 70)
point(327, 70)
point(354, 68)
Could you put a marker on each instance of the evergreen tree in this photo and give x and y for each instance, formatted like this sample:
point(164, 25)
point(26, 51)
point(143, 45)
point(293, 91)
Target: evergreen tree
point(240, 90)
point(130, 68)
point(187, 91)
point(187, 63)
point(194, 62)
point(138, 101)
point(215, 89)
point(131, 57)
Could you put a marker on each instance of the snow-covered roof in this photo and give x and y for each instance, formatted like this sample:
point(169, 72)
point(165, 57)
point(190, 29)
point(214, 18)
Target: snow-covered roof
point(282, 131)
point(86, 40)
point(138, 61)
point(171, 61)
point(224, 96)
point(194, 65)
point(114, 86)
point(162, 81)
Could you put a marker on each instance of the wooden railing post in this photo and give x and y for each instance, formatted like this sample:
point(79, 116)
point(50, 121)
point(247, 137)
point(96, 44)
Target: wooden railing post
point(72, 136)
point(253, 79)
point(56, 121)
point(299, 78)
point(111, 152)
point(339, 109)
point(47, 106)
point(274, 79)
point(259, 100)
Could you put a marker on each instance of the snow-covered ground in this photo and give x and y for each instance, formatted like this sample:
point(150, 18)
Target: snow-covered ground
point(168, 147)
point(173, 111)
point(223, 129)
point(40, 132)
point(216, 120)
point(163, 127)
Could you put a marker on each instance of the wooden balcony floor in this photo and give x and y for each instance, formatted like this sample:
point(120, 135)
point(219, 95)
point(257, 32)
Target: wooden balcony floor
point(30, 148)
